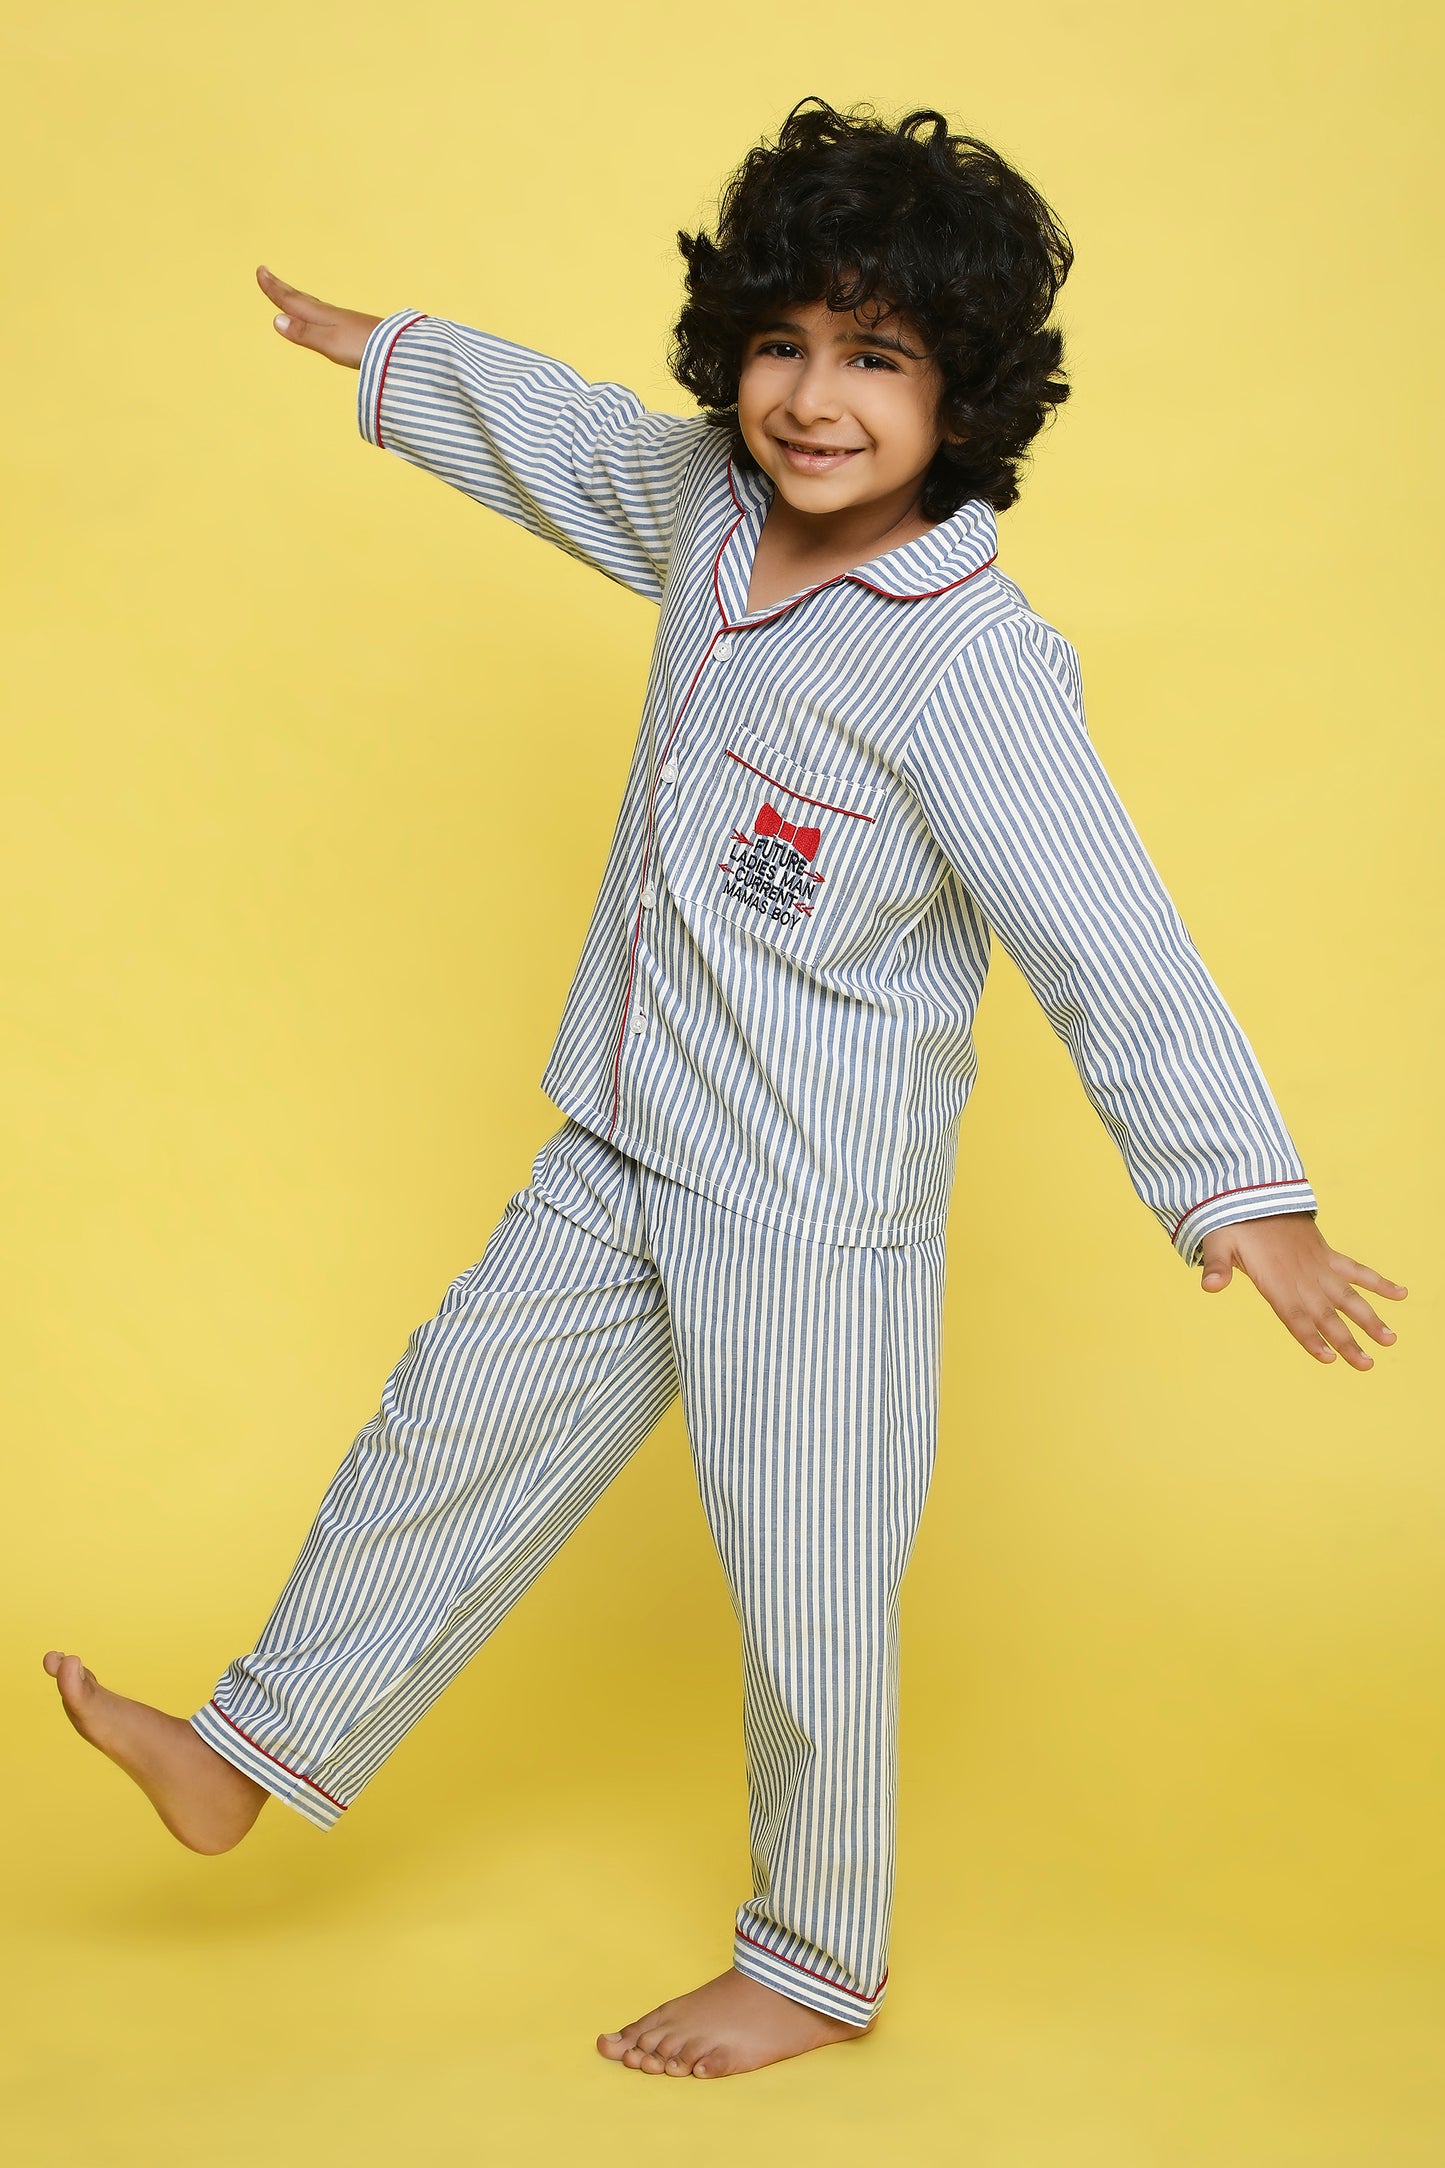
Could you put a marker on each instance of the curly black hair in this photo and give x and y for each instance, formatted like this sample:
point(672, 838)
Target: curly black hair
point(906, 220)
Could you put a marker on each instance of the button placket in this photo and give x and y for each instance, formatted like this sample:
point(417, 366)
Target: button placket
point(637, 1020)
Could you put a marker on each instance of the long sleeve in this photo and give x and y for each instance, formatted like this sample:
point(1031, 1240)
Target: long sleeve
point(585, 466)
point(1001, 761)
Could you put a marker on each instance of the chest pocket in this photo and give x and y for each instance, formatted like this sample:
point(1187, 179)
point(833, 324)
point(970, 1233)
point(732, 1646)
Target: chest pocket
point(787, 853)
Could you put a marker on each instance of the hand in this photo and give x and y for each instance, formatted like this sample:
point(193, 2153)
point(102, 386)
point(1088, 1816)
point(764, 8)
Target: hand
point(339, 334)
point(1304, 1281)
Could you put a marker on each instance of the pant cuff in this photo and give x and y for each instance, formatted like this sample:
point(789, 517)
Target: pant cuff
point(803, 1983)
point(223, 1734)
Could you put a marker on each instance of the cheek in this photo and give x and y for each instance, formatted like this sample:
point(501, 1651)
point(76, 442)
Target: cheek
point(904, 431)
point(920, 430)
point(755, 393)
point(753, 403)
point(752, 434)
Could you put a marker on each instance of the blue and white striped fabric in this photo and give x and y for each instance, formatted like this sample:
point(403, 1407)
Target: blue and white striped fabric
point(603, 1289)
point(830, 804)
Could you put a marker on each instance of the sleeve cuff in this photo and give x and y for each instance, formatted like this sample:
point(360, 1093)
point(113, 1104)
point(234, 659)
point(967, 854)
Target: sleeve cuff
point(1257, 1200)
point(375, 361)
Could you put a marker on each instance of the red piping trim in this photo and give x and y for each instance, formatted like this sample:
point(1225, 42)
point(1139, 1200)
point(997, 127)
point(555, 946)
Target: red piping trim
point(852, 1992)
point(1296, 1181)
point(419, 318)
point(789, 792)
point(214, 1704)
point(919, 594)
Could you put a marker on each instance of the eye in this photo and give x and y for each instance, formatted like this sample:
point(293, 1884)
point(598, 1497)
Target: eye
point(879, 361)
point(777, 346)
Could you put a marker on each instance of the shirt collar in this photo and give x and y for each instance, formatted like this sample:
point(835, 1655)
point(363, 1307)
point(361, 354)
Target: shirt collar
point(950, 552)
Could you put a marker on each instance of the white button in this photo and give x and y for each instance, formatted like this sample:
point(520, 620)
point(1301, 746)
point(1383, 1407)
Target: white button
point(722, 648)
point(649, 896)
point(669, 773)
point(639, 1020)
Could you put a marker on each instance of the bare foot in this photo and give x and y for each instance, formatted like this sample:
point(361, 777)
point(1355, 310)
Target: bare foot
point(200, 1796)
point(718, 2031)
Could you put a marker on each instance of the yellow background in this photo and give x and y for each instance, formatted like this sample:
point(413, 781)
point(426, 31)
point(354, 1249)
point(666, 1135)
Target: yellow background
point(284, 978)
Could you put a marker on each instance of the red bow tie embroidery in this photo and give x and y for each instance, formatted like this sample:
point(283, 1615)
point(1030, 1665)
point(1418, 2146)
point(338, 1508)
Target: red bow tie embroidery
point(804, 840)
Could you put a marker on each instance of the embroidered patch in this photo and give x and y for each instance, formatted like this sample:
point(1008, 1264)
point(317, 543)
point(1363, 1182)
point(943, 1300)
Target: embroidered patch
point(779, 867)
point(772, 870)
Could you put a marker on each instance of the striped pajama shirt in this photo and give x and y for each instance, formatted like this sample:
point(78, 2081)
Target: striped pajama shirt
point(833, 804)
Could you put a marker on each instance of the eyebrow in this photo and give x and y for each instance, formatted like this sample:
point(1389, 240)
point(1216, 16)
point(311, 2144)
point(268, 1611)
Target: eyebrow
point(843, 338)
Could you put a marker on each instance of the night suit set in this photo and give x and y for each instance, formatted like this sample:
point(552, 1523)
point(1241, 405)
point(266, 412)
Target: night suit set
point(762, 1063)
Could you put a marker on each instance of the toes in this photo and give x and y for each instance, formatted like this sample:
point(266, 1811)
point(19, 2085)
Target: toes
point(638, 2057)
point(669, 2052)
point(67, 1670)
point(631, 2034)
point(677, 2052)
point(72, 1678)
point(615, 2044)
point(67, 1674)
point(714, 2062)
point(643, 2045)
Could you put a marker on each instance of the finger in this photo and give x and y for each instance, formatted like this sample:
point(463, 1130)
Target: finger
point(1350, 1268)
point(1303, 1326)
point(299, 312)
point(1216, 1277)
point(291, 297)
point(1338, 1333)
point(305, 320)
point(1355, 1306)
point(319, 333)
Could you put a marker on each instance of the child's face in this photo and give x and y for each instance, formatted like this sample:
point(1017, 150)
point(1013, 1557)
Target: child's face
point(840, 411)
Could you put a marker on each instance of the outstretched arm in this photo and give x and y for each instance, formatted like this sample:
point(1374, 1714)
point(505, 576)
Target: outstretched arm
point(585, 466)
point(1002, 763)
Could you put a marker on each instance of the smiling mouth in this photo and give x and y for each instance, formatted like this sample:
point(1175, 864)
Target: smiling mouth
point(818, 451)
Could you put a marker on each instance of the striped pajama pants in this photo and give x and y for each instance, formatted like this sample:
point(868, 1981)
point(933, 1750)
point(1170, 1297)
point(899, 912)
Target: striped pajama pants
point(808, 1374)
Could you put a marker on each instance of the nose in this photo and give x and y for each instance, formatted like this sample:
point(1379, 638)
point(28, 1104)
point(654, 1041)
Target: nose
point(814, 394)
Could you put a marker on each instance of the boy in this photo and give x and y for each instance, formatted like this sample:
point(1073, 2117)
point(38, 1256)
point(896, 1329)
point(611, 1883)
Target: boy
point(860, 751)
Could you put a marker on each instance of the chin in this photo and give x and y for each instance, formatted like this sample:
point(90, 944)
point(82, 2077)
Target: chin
point(807, 494)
